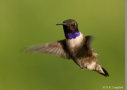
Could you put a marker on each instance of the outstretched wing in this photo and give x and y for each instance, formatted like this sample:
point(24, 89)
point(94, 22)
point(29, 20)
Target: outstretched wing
point(55, 48)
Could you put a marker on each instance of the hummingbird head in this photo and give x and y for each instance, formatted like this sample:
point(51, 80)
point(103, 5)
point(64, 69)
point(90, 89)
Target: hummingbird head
point(70, 27)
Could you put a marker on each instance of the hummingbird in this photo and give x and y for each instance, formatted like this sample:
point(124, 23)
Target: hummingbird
point(76, 46)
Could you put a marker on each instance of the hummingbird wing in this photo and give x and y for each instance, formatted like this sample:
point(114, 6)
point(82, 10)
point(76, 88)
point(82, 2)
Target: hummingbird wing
point(87, 45)
point(56, 48)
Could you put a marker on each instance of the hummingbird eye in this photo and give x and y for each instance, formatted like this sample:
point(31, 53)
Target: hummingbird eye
point(74, 24)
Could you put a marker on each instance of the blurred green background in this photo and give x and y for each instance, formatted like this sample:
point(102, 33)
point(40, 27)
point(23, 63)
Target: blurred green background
point(30, 22)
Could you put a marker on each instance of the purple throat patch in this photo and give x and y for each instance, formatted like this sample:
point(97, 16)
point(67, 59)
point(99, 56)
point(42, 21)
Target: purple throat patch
point(72, 35)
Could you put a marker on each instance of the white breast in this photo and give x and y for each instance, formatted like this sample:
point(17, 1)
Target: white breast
point(75, 42)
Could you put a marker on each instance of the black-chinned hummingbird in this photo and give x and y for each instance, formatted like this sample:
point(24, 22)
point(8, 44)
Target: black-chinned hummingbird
point(76, 46)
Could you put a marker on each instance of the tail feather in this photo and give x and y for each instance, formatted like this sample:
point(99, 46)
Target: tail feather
point(101, 70)
point(105, 72)
point(96, 67)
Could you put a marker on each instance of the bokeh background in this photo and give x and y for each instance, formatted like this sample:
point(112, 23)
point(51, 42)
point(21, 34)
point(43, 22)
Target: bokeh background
point(30, 22)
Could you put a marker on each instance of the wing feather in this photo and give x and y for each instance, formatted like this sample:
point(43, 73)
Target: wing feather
point(89, 50)
point(55, 48)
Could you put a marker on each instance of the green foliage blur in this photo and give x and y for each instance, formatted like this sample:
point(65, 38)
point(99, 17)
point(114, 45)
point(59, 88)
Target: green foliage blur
point(29, 22)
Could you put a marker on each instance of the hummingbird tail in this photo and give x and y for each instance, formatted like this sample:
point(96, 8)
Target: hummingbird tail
point(105, 73)
point(98, 68)
point(101, 70)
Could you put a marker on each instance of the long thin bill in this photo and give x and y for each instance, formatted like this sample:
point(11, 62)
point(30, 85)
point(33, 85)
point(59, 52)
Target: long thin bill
point(61, 24)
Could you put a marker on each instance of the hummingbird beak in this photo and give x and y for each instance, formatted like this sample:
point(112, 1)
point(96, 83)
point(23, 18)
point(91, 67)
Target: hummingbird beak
point(61, 24)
